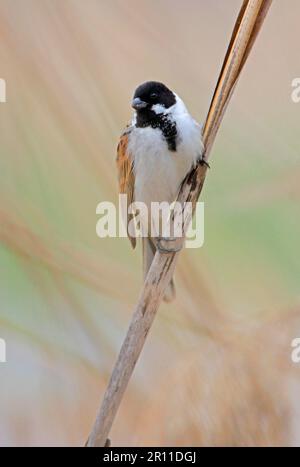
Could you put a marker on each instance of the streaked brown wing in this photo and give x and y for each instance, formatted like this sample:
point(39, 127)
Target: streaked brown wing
point(126, 174)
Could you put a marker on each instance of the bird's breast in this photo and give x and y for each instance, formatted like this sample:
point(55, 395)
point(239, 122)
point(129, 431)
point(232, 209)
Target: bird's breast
point(159, 171)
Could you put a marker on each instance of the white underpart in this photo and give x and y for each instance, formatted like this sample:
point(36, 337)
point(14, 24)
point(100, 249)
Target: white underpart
point(158, 171)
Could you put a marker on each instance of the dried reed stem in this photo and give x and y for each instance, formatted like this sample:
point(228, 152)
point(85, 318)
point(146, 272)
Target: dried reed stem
point(247, 26)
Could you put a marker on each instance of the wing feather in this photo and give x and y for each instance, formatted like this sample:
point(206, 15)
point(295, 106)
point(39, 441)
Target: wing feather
point(126, 174)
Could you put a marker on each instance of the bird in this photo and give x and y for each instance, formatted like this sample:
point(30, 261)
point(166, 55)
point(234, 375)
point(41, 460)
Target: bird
point(155, 153)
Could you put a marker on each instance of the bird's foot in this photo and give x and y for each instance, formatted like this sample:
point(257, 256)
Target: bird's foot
point(169, 244)
point(201, 161)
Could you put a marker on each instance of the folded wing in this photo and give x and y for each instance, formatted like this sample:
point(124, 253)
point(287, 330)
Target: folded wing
point(126, 175)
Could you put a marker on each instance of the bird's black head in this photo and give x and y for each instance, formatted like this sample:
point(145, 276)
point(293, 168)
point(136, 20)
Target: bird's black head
point(152, 93)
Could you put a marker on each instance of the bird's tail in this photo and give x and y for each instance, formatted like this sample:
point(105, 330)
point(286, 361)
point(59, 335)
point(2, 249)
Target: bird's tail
point(149, 251)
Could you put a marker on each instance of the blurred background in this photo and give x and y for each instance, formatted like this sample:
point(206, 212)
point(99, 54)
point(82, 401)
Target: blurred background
point(216, 369)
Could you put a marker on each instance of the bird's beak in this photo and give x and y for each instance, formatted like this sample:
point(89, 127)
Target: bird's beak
point(138, 104)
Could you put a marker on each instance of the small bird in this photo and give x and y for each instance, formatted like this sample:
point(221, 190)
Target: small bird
point(155, 153)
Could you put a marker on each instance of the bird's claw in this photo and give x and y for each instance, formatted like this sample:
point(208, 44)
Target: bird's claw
point(169, 244)
point(202, 161)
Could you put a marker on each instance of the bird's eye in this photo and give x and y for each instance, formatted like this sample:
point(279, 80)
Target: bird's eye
point(153, 95)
